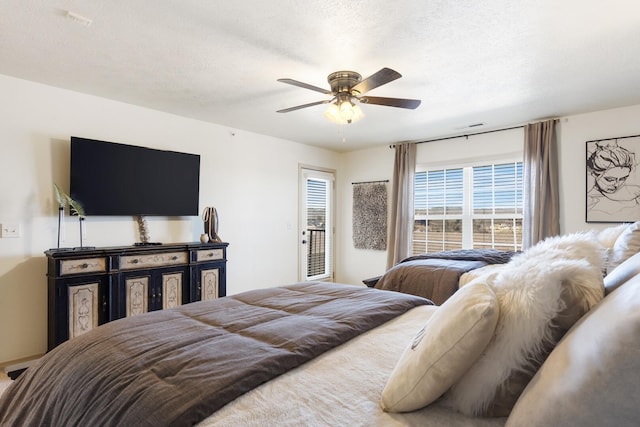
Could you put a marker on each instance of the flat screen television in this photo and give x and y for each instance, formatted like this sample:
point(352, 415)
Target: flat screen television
point(110, 179)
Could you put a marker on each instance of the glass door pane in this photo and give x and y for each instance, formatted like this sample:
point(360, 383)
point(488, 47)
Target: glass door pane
point(316, 250)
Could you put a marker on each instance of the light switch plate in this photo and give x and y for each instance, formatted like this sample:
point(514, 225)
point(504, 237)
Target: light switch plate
point(9, 229)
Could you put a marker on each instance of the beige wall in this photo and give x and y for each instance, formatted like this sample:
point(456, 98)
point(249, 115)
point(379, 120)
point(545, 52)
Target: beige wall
point(241, 174)
point(374, 164)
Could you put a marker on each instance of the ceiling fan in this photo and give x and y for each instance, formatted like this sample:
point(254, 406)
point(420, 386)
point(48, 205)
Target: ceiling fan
point(347, 90)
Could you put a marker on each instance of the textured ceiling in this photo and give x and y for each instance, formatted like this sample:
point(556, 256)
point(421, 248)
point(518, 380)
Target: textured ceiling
point(497, 62)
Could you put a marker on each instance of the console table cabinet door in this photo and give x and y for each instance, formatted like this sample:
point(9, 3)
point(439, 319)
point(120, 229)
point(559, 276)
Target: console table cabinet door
point(171, 291)
point(136, 297)
point(210, 281)
point(84, 306)
point(77, 305)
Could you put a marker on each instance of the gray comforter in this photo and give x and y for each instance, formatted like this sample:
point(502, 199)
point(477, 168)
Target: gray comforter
point(175, 367)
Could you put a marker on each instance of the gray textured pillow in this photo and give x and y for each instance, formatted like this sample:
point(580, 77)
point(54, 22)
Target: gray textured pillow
point(592, 377)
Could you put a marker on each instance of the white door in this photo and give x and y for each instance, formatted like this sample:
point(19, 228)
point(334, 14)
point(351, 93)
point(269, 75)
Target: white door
point(316, 224)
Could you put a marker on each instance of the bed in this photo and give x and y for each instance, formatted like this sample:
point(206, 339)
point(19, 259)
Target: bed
point(436, 276)
point(176, 367)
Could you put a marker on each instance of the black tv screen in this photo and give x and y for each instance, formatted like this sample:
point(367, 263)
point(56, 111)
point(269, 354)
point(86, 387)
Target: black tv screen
point(117, 179)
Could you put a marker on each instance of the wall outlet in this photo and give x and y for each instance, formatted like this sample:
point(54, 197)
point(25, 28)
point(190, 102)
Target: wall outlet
point(10, 229)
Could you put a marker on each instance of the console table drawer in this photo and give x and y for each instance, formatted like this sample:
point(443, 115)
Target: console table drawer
point(132, 262)
point(85, 265)
point(209, 255)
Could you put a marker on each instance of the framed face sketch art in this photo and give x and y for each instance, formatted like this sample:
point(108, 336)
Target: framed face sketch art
point(613, 180)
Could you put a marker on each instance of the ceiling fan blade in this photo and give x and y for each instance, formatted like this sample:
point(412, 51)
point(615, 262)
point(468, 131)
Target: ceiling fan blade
point(379, 78)
point(411, 104)
point(298, 107)
point(305, 86)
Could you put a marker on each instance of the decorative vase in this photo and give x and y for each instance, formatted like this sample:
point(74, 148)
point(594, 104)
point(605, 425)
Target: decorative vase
point(210, 218)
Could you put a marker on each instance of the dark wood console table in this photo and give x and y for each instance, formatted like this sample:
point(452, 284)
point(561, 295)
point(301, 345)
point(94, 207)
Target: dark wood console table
point(89, 287)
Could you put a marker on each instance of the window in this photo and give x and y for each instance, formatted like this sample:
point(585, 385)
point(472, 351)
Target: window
point(469, 207)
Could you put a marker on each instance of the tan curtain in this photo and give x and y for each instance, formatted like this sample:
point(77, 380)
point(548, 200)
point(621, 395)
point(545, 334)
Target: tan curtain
point(541, 216)
point(401, 220)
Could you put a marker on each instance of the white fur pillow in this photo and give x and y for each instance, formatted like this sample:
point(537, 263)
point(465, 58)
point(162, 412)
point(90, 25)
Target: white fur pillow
point(452, 339)
point(541, 293)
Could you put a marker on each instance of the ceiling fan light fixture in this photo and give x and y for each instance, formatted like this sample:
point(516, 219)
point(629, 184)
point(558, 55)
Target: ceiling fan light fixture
point(343, 112)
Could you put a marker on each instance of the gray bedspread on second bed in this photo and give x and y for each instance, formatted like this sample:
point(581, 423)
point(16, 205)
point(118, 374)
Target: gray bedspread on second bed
point(435, 276)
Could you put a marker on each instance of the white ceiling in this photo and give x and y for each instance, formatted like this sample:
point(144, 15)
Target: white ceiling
point(497, 62)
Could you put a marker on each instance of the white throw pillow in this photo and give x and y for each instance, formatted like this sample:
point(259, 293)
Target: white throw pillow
point(626, 245)
point(450, 342)
point(541, 293)
point(485, 272)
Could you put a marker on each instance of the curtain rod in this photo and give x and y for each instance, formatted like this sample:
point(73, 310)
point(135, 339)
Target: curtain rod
point(462, 136)
point(370, 182)
point(611, 139)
